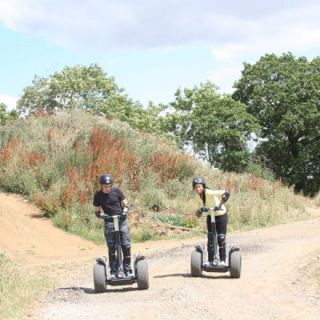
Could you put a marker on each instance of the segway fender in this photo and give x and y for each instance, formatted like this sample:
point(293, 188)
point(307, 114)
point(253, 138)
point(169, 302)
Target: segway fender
point(138, 258)
point(200, 248)
point(101, 260)
point(234, 248)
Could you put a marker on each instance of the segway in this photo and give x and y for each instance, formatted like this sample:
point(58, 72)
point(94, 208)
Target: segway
point(102, 275)
point(233, 264)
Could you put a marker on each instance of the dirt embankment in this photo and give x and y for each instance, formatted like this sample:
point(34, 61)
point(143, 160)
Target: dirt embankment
point(275, 281)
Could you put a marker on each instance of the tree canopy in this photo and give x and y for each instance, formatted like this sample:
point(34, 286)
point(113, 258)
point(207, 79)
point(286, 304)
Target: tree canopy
point(84, 87)
point(283, 93)
point(6, 116)
point(88, 88)
point(215, 127)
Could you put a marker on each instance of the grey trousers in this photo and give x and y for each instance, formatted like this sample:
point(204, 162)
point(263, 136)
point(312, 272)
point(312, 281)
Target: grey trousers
point(109, 235)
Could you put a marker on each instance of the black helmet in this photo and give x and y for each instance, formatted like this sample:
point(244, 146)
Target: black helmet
point(106, 179)
point(199, 181)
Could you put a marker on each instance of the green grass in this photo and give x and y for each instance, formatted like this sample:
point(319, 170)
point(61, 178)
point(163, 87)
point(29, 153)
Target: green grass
point(316, 275)
point(144, 233)
point(18, 290)
point(177, 220)
point(317, 199)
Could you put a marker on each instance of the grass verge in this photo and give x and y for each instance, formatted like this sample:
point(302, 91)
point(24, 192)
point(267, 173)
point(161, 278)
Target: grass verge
point(18, 289)
point(316, 275)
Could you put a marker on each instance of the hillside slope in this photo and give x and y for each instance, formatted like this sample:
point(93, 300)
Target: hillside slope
point(55, 161)
point(29, 238)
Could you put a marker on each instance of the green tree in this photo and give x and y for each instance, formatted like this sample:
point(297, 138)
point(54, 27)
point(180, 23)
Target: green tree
point(216, 127)
point(283, 93)
point(87, 88)
point(83, 87)
point(148, 119)
point(6, 116)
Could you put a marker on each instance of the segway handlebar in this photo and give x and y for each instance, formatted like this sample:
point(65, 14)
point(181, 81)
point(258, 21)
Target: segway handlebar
point(107, 217)
point(205, 209)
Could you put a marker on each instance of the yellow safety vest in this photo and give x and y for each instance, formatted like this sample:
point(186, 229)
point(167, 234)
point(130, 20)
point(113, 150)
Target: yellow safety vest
point(213, 198)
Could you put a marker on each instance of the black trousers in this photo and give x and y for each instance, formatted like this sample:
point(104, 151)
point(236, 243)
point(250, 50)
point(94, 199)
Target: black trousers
point(125, 245)
point(221, 229)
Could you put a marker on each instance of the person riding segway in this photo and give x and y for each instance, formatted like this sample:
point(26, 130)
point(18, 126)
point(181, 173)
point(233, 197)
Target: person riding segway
point(114, 211)
point(212, 203)
point(113, 202)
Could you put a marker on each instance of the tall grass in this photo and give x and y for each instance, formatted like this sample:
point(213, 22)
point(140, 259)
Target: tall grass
point(56, 161)
point(316, 275)
point(317, 199)
point(17, 289)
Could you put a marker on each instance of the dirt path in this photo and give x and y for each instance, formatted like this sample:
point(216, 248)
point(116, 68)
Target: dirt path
point(27, 236)
point(275, 281)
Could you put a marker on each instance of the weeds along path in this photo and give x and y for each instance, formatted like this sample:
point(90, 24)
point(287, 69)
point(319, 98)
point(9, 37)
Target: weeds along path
point(275, 281)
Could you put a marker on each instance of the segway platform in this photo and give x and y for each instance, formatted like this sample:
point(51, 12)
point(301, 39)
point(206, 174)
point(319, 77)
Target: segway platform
point(233, 266)
point(102, 277)
point(215, 268)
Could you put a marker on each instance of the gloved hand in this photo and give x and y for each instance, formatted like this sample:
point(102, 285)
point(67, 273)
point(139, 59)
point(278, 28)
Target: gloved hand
point(225, 197)
point(124, 214)
point(204, 209)
point(217, 208)
point(107, 217)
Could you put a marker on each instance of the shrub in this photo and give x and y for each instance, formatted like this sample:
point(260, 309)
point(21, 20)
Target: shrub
point(258, 170)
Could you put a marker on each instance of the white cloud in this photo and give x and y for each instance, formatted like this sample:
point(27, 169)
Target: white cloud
point(112, 24)
point(296, 30)
point(9, 101)
point(237, 31)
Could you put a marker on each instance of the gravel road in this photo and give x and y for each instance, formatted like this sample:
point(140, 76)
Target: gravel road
point(275, 284)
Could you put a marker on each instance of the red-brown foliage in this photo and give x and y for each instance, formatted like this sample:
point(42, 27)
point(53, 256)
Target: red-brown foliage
point(50, 134)
point(9, 149)
point(109, 154)
point(47, 203)
point(36, 158)
point(104, 153)
point(15, 147)
point(72, 190)
point(255, 183)
point(167, 165)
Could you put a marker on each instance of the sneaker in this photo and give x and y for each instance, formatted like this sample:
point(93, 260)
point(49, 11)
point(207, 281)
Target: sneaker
point(113, 276)
point(223, 264)
point(208, 264)
point(129, 274)
point(121, 274)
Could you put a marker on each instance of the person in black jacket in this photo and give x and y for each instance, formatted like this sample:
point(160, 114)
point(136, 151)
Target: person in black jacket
point(112, 201)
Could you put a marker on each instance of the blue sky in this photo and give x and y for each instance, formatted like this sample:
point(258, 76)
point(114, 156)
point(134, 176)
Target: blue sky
point(151, 47)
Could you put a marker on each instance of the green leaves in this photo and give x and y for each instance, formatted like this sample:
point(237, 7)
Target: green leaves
point(215, 127)
point(87, 88)
point(283, 93)
point(78, 87)
point(6, 116)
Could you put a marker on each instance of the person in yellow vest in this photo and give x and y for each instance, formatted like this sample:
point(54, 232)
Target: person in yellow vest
point(208, 198)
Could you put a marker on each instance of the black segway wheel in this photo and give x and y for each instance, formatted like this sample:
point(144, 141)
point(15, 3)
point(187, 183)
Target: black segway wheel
point(196, 264)
point(142, 274)
point(235, 264)
point(99, 278)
